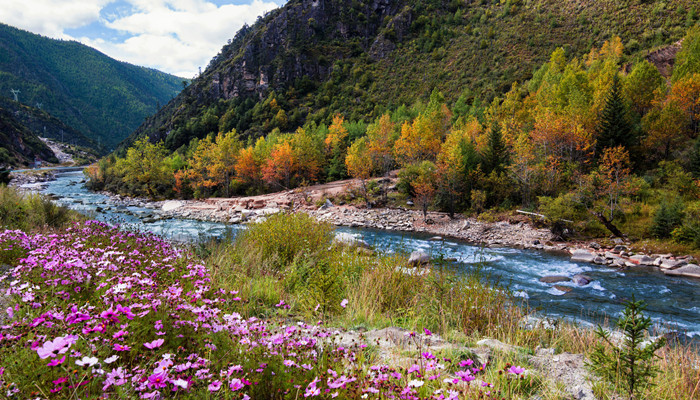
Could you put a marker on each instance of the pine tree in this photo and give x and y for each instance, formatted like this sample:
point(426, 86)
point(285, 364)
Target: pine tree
point(695, 160)
point(629, 365)
point(614, 128)
point(495, 156)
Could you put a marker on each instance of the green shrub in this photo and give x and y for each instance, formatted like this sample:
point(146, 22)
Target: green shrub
point(667, 217)
point(31, 211)
point(283, 237)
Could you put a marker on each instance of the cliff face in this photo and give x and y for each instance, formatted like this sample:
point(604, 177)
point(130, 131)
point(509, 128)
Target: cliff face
point(302, 40)
point(311, 59)
point(291, 45)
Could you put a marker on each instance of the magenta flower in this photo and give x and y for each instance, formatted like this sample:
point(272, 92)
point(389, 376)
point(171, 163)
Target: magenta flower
point(516, 370)
point(214, 386)
point(466, 363)
point(427, 332)
point(158, 380)
point(154, 344)
point(119, 347)
point(61, 345)
point(344, 303)
point(428, 355)
point(236, 384)
point(56, 361)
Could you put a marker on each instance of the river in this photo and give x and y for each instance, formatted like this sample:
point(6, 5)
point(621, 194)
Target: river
point(673, 303)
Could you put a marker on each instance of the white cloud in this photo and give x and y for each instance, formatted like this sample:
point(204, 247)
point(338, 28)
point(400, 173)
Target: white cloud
point(175, 36)
point(50, 17)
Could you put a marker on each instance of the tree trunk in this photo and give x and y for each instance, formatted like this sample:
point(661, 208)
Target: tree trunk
point(608, 224)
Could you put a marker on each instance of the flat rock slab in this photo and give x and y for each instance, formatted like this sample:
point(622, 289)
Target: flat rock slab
point(583, 256)
point(688, 271)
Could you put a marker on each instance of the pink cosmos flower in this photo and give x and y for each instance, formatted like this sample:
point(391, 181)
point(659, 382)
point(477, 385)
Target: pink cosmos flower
point(154, 344)
point(214, 386)
point(56, 361)
point(465, 363)
point(516, 370)
point(427, 332)
point(344, 303)
point(236, 384)
point(119, 347)
point(61, 345)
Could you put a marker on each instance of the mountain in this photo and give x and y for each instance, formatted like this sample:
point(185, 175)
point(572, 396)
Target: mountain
point(42, 124)
point(310, 59)
point(102, 98)
point(18, 145)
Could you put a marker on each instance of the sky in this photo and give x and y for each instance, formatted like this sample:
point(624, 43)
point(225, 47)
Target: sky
point(174, 36)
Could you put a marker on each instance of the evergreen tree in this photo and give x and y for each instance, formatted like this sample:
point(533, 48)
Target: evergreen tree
point(695, 160)
point(614, 128)
point(495, 156)
point(630, 365)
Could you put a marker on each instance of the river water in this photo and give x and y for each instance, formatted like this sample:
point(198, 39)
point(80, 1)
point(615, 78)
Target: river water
point(673, 303)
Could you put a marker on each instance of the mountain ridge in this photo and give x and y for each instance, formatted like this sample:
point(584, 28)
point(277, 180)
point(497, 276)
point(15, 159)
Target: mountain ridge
point(472, 50)
point(102, 98)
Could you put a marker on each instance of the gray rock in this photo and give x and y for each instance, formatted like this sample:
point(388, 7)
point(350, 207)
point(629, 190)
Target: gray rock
point(594, 245)
point(689, 271)
point(346, 239)
point(642, 259)
point(672, 264)
point(418, 257)
point(582, 280)
point(619, 248)
point(554, 279)
point(600, 260)
point(409, 203)
point(326, 205)
point(582, 256)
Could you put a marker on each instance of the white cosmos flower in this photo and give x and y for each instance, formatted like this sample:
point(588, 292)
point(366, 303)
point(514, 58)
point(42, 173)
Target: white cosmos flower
point(111, 359)
point(89, 361)
point(415, 383)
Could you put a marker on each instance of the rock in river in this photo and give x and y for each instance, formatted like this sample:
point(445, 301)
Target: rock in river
point(418, 257)
point(690, 271)
point(582, 256)
point(582, 280)
point(554, 279)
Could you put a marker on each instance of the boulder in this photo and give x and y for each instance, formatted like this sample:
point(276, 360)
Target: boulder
point(619, 248)
point(562, 288)
point(689, 271)
point(672, 264)
point(347, 239)
point(326, 205)
point(418, 257)
point(495, 344)
point(600, 260)
point(171, 205)
point(642, 259)
point(582, 280)
point(582, 256)
point(554, 279)
point(594, 245)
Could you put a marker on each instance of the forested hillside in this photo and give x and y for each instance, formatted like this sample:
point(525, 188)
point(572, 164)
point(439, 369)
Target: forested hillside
point(102, 98)
point(609, 144)
point(18, 145)
point(310, 60)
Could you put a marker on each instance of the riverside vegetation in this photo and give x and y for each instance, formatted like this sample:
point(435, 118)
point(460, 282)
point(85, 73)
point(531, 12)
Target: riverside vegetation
point(95, 312)
point(610, 146)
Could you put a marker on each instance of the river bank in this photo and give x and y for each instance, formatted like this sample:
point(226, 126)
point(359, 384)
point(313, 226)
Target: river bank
point(516, 232)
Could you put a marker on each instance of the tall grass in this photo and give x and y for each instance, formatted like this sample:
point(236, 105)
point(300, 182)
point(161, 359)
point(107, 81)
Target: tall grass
point(293, 257)
point(31, 212)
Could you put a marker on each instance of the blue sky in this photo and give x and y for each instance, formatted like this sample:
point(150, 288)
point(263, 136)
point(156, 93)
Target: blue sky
point(175, 36)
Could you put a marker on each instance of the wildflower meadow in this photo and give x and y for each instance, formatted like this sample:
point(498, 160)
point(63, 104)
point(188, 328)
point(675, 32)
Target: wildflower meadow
point(95, 312)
